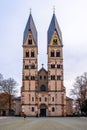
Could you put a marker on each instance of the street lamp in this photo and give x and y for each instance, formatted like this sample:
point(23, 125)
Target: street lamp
point(49, 109)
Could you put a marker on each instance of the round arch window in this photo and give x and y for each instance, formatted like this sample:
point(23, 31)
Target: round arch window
point(43, 88)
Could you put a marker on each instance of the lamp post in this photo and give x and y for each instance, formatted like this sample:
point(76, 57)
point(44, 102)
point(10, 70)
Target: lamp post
point(49, 109)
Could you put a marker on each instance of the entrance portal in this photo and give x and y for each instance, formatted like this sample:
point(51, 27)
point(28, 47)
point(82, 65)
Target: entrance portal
point(43, 112)
point(43, 108)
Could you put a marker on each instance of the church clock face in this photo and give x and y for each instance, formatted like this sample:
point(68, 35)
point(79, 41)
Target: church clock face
point(55, 41)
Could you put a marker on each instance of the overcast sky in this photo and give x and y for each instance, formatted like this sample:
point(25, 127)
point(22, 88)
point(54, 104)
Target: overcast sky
point(72, 19)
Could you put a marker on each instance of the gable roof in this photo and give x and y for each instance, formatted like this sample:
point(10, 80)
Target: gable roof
point(42, 69)
point(54, 26)
point(30, 26)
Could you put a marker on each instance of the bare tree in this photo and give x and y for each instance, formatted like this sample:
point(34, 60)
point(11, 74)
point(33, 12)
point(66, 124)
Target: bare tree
point(9, 87)
point(1, 79)
point(79, 91)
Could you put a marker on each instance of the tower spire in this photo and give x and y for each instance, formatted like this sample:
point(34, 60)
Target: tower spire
point(54, 25)
point(30, 26)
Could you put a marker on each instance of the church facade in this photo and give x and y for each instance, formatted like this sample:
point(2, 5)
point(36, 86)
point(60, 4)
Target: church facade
point(43, 92)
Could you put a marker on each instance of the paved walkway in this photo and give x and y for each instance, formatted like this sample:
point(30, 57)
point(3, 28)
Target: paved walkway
point(3, 117)
point(18, 123)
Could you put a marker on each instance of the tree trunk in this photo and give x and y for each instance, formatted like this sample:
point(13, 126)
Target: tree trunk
point(9, 105)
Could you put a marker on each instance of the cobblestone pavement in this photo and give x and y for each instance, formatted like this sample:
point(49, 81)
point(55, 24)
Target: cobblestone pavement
point(18, 123)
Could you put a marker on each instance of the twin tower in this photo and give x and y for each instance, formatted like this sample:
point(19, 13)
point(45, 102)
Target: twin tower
point(43, 92)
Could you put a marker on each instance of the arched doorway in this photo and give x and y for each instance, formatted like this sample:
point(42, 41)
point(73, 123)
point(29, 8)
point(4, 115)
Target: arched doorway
point(43, 109)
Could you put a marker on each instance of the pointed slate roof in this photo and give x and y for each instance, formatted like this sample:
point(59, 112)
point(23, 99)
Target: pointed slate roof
point(54, 25)
point(30, 26)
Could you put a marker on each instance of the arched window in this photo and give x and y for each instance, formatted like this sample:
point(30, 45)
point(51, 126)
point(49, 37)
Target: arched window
point(52, 99)
point(32, 98)
point(30, 42)
point(53, 109)
point(27, 53)
point(55, 42)
point(40, 77)
point(32, 53)
point(40, 99)
point(45, 99)
point(32, 77)
point(32, 109)
point(43, 88)
point(52, 65)
point(32, 66)
point(44, 77)
point(52, 54)
point(26, 67)
point(26, 77)
point(52, 77)
point(57, 53)
point(58, 66)
point(59, 77)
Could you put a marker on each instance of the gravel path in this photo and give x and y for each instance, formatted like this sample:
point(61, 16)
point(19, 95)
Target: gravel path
point(18, 123)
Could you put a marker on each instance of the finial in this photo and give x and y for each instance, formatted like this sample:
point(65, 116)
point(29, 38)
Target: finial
point(42, 65)
point(30, 10)
point(54, 9)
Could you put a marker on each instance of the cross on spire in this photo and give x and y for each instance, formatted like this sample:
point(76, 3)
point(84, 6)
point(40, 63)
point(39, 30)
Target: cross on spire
point(30, 10)
point(54, 9)
point(42, 65)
